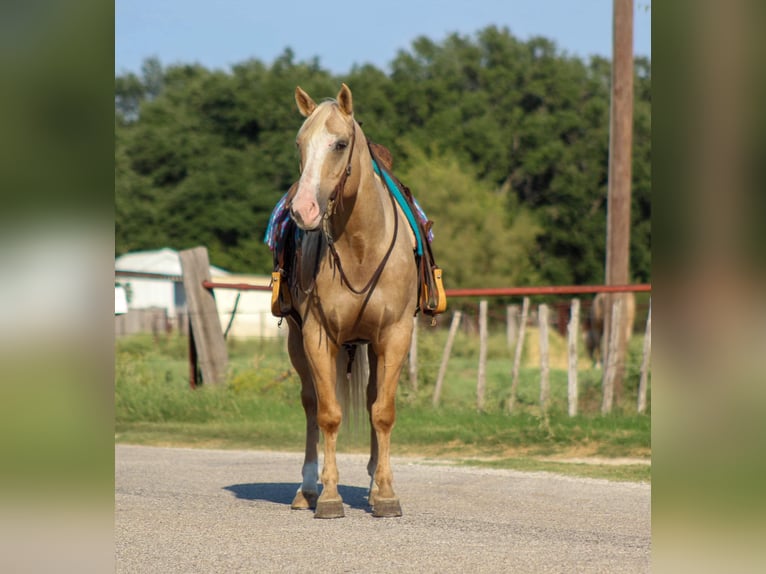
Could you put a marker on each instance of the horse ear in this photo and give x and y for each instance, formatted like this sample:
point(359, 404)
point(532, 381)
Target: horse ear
point(306, 105)
point(345, 101)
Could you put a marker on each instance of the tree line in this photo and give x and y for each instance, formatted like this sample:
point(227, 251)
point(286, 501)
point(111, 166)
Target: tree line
point(504, 143)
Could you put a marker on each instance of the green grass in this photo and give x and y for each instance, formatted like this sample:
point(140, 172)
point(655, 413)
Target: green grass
point(259, 407)
point(624, 472)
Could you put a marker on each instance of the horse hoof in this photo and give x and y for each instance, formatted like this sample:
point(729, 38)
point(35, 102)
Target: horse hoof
point(386, 508)
point(329, 509)
point(304, 500)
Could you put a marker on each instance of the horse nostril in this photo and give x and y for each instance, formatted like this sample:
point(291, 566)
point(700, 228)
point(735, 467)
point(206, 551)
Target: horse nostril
point(296, 216)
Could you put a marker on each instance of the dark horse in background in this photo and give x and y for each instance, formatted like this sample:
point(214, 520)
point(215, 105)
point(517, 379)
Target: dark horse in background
point(352, 316)
point(594, 325)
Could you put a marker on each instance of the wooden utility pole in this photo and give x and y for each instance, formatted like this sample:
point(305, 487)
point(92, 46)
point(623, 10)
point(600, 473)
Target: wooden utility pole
point(617, 270)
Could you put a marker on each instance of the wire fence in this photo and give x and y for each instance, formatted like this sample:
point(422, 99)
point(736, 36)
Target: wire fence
point(492, 328)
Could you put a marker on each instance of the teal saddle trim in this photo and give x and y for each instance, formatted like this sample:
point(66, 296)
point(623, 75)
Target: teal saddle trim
point(397, 193)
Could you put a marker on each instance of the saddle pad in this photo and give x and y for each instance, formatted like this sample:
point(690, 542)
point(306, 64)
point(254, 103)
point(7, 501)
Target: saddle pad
point(393, 189)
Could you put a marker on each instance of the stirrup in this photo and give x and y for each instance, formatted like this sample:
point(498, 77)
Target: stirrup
point(434, 303)
point(281, 303)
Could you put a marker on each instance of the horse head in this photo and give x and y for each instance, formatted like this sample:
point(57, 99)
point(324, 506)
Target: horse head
point(325, 142)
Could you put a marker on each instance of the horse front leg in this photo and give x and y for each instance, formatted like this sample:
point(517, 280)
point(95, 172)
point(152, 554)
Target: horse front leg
point(321, 355)
point(391, 356)
point(308, 492)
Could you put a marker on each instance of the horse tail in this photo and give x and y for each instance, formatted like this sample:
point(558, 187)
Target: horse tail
point(352, 376)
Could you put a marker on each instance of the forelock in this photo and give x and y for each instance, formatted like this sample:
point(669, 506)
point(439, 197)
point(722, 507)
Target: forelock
point(327, 113)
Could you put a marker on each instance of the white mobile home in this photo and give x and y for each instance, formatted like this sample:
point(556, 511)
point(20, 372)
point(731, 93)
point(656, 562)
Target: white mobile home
point(253, 310)
point(144, 293)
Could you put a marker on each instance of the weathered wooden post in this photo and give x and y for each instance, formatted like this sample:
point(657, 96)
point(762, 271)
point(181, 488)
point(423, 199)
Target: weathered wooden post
point(205, 331)
point(545, 390)
point(517, 356)
point(612, 359)
point(445, 357)
point(413, 367)
point(573, 330)
point(642, 383)
point(481, 382)
point(511, 325)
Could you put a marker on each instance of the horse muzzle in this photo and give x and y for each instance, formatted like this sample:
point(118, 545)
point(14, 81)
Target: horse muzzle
point(306, 214)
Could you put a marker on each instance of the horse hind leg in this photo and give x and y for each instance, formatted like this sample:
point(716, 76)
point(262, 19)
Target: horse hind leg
point(308, 493)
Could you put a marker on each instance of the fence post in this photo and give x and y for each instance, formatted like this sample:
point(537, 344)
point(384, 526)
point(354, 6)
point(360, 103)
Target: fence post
point(445, 357)
point(645, 362)
point(482, 377)
point(573, 329)
point(194, 376)
point(517, 356)
point(413, 368)
point(511, 325)
point(544, 363)
point(612, 359)
point(203, 314)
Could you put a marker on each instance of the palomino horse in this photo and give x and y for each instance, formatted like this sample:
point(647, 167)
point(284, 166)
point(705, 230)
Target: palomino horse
point(363, 294)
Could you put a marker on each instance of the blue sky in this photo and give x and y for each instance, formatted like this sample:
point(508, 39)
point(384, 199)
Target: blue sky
point(342, 33)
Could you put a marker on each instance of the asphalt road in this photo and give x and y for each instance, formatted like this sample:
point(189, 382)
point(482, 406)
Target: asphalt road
point(190, 510)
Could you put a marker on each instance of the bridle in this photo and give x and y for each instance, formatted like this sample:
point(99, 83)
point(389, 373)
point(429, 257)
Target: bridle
point(338, 189)
point(326, 229)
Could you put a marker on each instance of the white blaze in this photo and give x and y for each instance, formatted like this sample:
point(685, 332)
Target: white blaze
point(305, 204)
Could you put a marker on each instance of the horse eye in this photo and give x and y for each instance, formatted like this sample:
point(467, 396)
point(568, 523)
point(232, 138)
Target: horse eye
point(341, 145)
